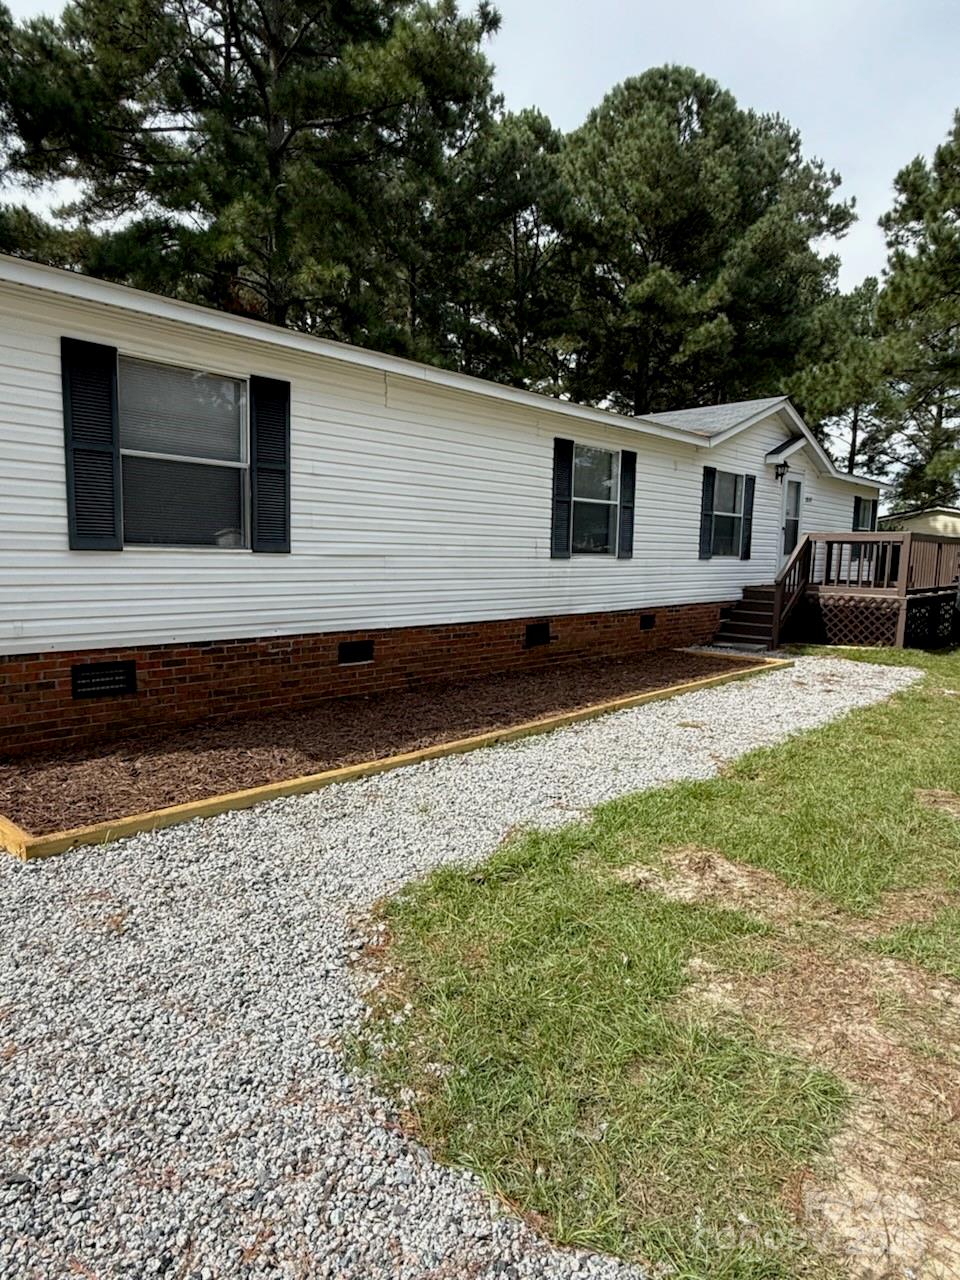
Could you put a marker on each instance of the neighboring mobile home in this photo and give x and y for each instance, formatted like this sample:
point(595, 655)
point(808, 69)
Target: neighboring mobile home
point(202, 514)
point(942, 521)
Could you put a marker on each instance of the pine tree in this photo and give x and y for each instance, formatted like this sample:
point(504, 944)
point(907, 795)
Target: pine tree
point(243, 152)
point(692, 234)
point(499, 293)
point(842, 390)
point(920, 320)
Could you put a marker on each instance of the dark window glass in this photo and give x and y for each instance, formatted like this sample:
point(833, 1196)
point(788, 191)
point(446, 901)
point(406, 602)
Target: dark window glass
point(594, 528)
point(728, 511)
point(791, 524)
point(865, 522)
point(182, 504)
point(728, 496)
point(594, 473)
point(726, 535)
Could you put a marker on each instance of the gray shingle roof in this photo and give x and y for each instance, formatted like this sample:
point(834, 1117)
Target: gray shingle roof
point(714, 419)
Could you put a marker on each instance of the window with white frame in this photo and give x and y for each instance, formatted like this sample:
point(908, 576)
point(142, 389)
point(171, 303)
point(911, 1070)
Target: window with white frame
point(727, 514)
point(183, 449)
point(596, 493)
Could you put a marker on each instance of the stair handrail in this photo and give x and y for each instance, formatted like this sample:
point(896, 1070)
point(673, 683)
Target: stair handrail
point(792, 582)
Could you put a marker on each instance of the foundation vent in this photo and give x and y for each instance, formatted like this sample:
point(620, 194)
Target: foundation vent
point(351, 653)
point(103, 679)
point(536, 634)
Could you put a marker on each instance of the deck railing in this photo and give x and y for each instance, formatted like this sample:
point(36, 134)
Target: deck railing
point(894, 564)
point(791, 585)
point(885, 564)
point(934, 562)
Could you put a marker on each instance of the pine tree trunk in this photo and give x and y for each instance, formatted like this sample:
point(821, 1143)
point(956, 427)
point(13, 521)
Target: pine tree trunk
point(854, 440)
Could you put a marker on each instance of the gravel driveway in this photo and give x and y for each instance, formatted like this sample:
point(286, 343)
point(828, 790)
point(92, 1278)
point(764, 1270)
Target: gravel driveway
point(172, 1101)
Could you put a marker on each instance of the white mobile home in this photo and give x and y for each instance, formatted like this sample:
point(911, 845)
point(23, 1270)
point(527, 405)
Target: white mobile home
point(202, 514)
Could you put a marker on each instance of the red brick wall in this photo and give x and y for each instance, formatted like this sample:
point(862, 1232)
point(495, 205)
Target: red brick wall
point(185, 683)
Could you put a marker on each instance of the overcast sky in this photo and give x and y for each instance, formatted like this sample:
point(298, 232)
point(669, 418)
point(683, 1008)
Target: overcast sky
point(869, 83)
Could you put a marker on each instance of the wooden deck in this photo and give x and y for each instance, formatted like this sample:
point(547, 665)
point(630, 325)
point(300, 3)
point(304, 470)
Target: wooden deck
point(869, 589)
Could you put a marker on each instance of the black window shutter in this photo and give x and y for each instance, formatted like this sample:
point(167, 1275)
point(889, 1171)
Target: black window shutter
point(270, 464)
point(562, 527)
point(873, 514)
point(88, 372)
point(706, 512)
point(857, 511)
point(746, 533)
point(628, 493)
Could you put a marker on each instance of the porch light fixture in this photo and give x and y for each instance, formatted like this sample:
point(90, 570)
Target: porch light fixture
point(781, 470)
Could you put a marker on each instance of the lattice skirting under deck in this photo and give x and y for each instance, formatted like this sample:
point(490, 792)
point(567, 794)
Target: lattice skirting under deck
point(933, 621)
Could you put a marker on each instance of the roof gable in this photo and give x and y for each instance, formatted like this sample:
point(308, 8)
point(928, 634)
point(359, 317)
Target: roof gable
point(720, 422)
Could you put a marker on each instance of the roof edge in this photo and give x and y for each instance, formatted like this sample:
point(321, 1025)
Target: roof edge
point(920, 511)
point(23, 273)
point(786, 406)
point(83, 288)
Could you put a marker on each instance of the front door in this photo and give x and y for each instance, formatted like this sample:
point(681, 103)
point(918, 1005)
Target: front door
point(792, 500)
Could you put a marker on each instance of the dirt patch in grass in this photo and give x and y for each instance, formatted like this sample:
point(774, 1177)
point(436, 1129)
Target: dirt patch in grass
point(696, 874)
point(887, 1201)
point(943, 801)
point(163, 767)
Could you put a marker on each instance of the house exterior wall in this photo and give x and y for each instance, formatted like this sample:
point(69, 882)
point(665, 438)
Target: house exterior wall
point(828, 504)
point(830, 509)
point(412, 506)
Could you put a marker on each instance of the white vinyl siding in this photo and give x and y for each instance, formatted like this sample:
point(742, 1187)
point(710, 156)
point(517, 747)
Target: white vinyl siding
point(411, 504)
point(828, 508)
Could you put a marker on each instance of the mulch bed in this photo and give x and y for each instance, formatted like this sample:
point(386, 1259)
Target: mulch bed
point(159, 767)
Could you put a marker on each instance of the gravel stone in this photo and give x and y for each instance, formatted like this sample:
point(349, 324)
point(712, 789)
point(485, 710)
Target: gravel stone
point(173, 1099)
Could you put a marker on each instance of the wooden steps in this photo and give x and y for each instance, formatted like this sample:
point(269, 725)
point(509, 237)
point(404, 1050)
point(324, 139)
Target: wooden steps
point(749, 622)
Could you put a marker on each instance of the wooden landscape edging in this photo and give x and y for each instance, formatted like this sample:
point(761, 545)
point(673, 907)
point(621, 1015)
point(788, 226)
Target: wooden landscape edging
point(26, 846)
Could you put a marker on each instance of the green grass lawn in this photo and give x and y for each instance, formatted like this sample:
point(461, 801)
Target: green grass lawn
point(549, 1044)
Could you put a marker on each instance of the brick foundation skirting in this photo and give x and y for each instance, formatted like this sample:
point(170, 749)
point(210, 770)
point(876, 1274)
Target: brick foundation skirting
point(180, 684)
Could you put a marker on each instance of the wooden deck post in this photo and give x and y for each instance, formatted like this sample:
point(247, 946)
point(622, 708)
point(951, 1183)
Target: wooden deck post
point(903, 581)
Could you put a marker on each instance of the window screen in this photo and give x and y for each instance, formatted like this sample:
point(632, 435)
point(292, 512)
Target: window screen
point(183, 452)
